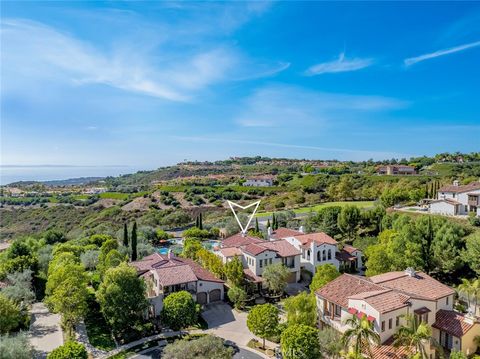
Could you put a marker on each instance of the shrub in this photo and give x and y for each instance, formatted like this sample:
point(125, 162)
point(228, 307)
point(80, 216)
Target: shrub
point(179, 310)
point(69, 350)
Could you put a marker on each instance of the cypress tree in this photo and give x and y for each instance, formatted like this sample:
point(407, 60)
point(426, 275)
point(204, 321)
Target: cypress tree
point(268, 224)
point(273, 221)
point(196, 222)
point(125, 235)
point(257, 227)
point(200, 221)
point(134, 241)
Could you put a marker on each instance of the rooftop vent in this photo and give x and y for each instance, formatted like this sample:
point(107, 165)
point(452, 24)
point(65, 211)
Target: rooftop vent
point(302, 229)
point(456, 183)
point(410, 272)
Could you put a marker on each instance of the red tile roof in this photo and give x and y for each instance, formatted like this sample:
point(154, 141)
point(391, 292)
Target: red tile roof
point(384, 301)
point(282, 233)
point(251, 276)
point(230, 251)
point(388, 351)
point(318, 238)
point(254, 249)
point(174, 270)
point(460, 189)
point(349, 249)
point(282, 247)
point(238, 240)
point(453, 323)
point(420, 286)
point(341, 288)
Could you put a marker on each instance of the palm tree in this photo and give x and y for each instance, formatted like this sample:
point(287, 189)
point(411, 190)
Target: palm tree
point(414, 335)
point(360, 336)
point(471, 289)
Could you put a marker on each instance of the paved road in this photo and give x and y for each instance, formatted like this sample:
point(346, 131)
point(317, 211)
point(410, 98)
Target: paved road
point(155, 353)
point(45, 332)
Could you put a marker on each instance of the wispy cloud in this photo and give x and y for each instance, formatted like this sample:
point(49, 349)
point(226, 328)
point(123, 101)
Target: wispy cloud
point(283, 106)
point(34, 50)
point(342, 64)
point(413, 60)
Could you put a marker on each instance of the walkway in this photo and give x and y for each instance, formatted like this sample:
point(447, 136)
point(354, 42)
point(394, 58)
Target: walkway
point(82, 337)
point(45, 332)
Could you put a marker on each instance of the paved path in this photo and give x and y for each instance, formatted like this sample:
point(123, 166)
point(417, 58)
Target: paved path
point(45, 332)
point(229, 324)
point(82, 337)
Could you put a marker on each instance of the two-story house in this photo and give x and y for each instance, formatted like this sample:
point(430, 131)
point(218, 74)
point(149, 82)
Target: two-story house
point(263, 181)
point(165, 274)
point(385, 299)
point(457, 199)
point(319, 248)
point(256, 254)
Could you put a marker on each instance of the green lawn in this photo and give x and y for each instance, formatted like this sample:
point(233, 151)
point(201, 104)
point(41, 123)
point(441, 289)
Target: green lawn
point(360, 204)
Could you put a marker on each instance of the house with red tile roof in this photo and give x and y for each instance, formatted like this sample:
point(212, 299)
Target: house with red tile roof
point(385, 299)
point(319, 248)
point(256, 254)
point(166, 274)
point(456, 199)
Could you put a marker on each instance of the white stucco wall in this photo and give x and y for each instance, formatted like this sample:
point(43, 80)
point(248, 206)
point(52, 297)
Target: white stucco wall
point(205, 286)
point(442, 208)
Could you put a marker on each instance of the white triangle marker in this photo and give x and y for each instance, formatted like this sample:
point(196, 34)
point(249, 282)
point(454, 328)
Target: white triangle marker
point(256, 204)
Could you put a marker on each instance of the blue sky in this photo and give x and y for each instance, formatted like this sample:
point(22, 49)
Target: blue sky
point(143, 84)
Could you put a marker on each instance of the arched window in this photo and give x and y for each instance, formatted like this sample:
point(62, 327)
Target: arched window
point(324, 255)
point(308, 254)
point(319, 258)
point(329, 254)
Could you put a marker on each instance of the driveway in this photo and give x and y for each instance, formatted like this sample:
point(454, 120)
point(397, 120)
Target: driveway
point(45, 332)
point(229, 324)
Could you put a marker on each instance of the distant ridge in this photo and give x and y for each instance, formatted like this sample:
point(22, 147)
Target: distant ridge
point(66, 182)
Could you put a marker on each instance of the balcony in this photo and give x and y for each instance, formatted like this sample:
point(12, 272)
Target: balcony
point(473, 200)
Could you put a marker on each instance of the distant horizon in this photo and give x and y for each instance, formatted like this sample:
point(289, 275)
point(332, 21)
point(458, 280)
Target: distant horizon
point(77, 171)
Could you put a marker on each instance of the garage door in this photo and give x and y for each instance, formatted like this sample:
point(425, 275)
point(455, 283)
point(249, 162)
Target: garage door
point(215, 295)
point(292, 277)
point(202, 298)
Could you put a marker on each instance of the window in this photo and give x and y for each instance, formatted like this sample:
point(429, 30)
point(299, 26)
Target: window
point(270, 261)
point(390, 321)
point(338, 311)
point(397, 321)
point(308, 254)
point(329, 254)
point(425, 318)
point(383, 325)
point(319, 258)
point(447, 300)
point(324, 255)
point(261, 263)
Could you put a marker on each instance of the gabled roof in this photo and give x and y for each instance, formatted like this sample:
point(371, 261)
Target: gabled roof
point(421, 285)
point(282, 247)
point(254, 249)
point(238, 240)
point(384, 301)
point(231, 251)
point(318, 238)
point(341, 288)
point(173, 270)
point(282, 233)
point(460, 189)
point(453, 323)
point(447, 200)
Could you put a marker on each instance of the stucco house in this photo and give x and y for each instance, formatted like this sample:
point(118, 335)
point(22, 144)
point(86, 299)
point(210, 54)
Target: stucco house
point(456, 199)
point(264, 181)
point(256, 254)
point(396, 170)
point(319, 248)
point(166, 274)
point(386, 298)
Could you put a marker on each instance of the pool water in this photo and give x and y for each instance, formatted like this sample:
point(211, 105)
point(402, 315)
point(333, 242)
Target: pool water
point(177, 246)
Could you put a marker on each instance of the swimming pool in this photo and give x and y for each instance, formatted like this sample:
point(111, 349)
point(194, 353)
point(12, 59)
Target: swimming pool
point(177, 246)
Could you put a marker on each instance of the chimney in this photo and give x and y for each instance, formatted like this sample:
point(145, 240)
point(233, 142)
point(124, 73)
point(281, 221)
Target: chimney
point(170, 254)
point(301, 229)
point(456, 183)
point(410, 272)
point(269, 232)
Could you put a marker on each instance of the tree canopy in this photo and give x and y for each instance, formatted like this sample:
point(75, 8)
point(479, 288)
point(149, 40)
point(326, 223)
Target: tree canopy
point(300, 341)
point(324, 274)
point(263, 320)
point(179, 310)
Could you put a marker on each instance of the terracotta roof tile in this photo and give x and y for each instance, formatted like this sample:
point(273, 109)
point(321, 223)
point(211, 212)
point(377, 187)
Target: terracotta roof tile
point(238, 240)
point(384, 301)
point(177, 274)
point(453, 323)
point(460, 189)
point(230, 251)
point(254, 249)
point(341, 288)
point(318, 238)
point(282, 247)
point(250, 275)
point(388, 351)
point(282, 233)
point(200, 272)
point(420, 286)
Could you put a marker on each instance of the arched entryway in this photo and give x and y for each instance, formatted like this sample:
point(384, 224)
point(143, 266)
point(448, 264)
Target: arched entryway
point(215, 295)
point(202, 298)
